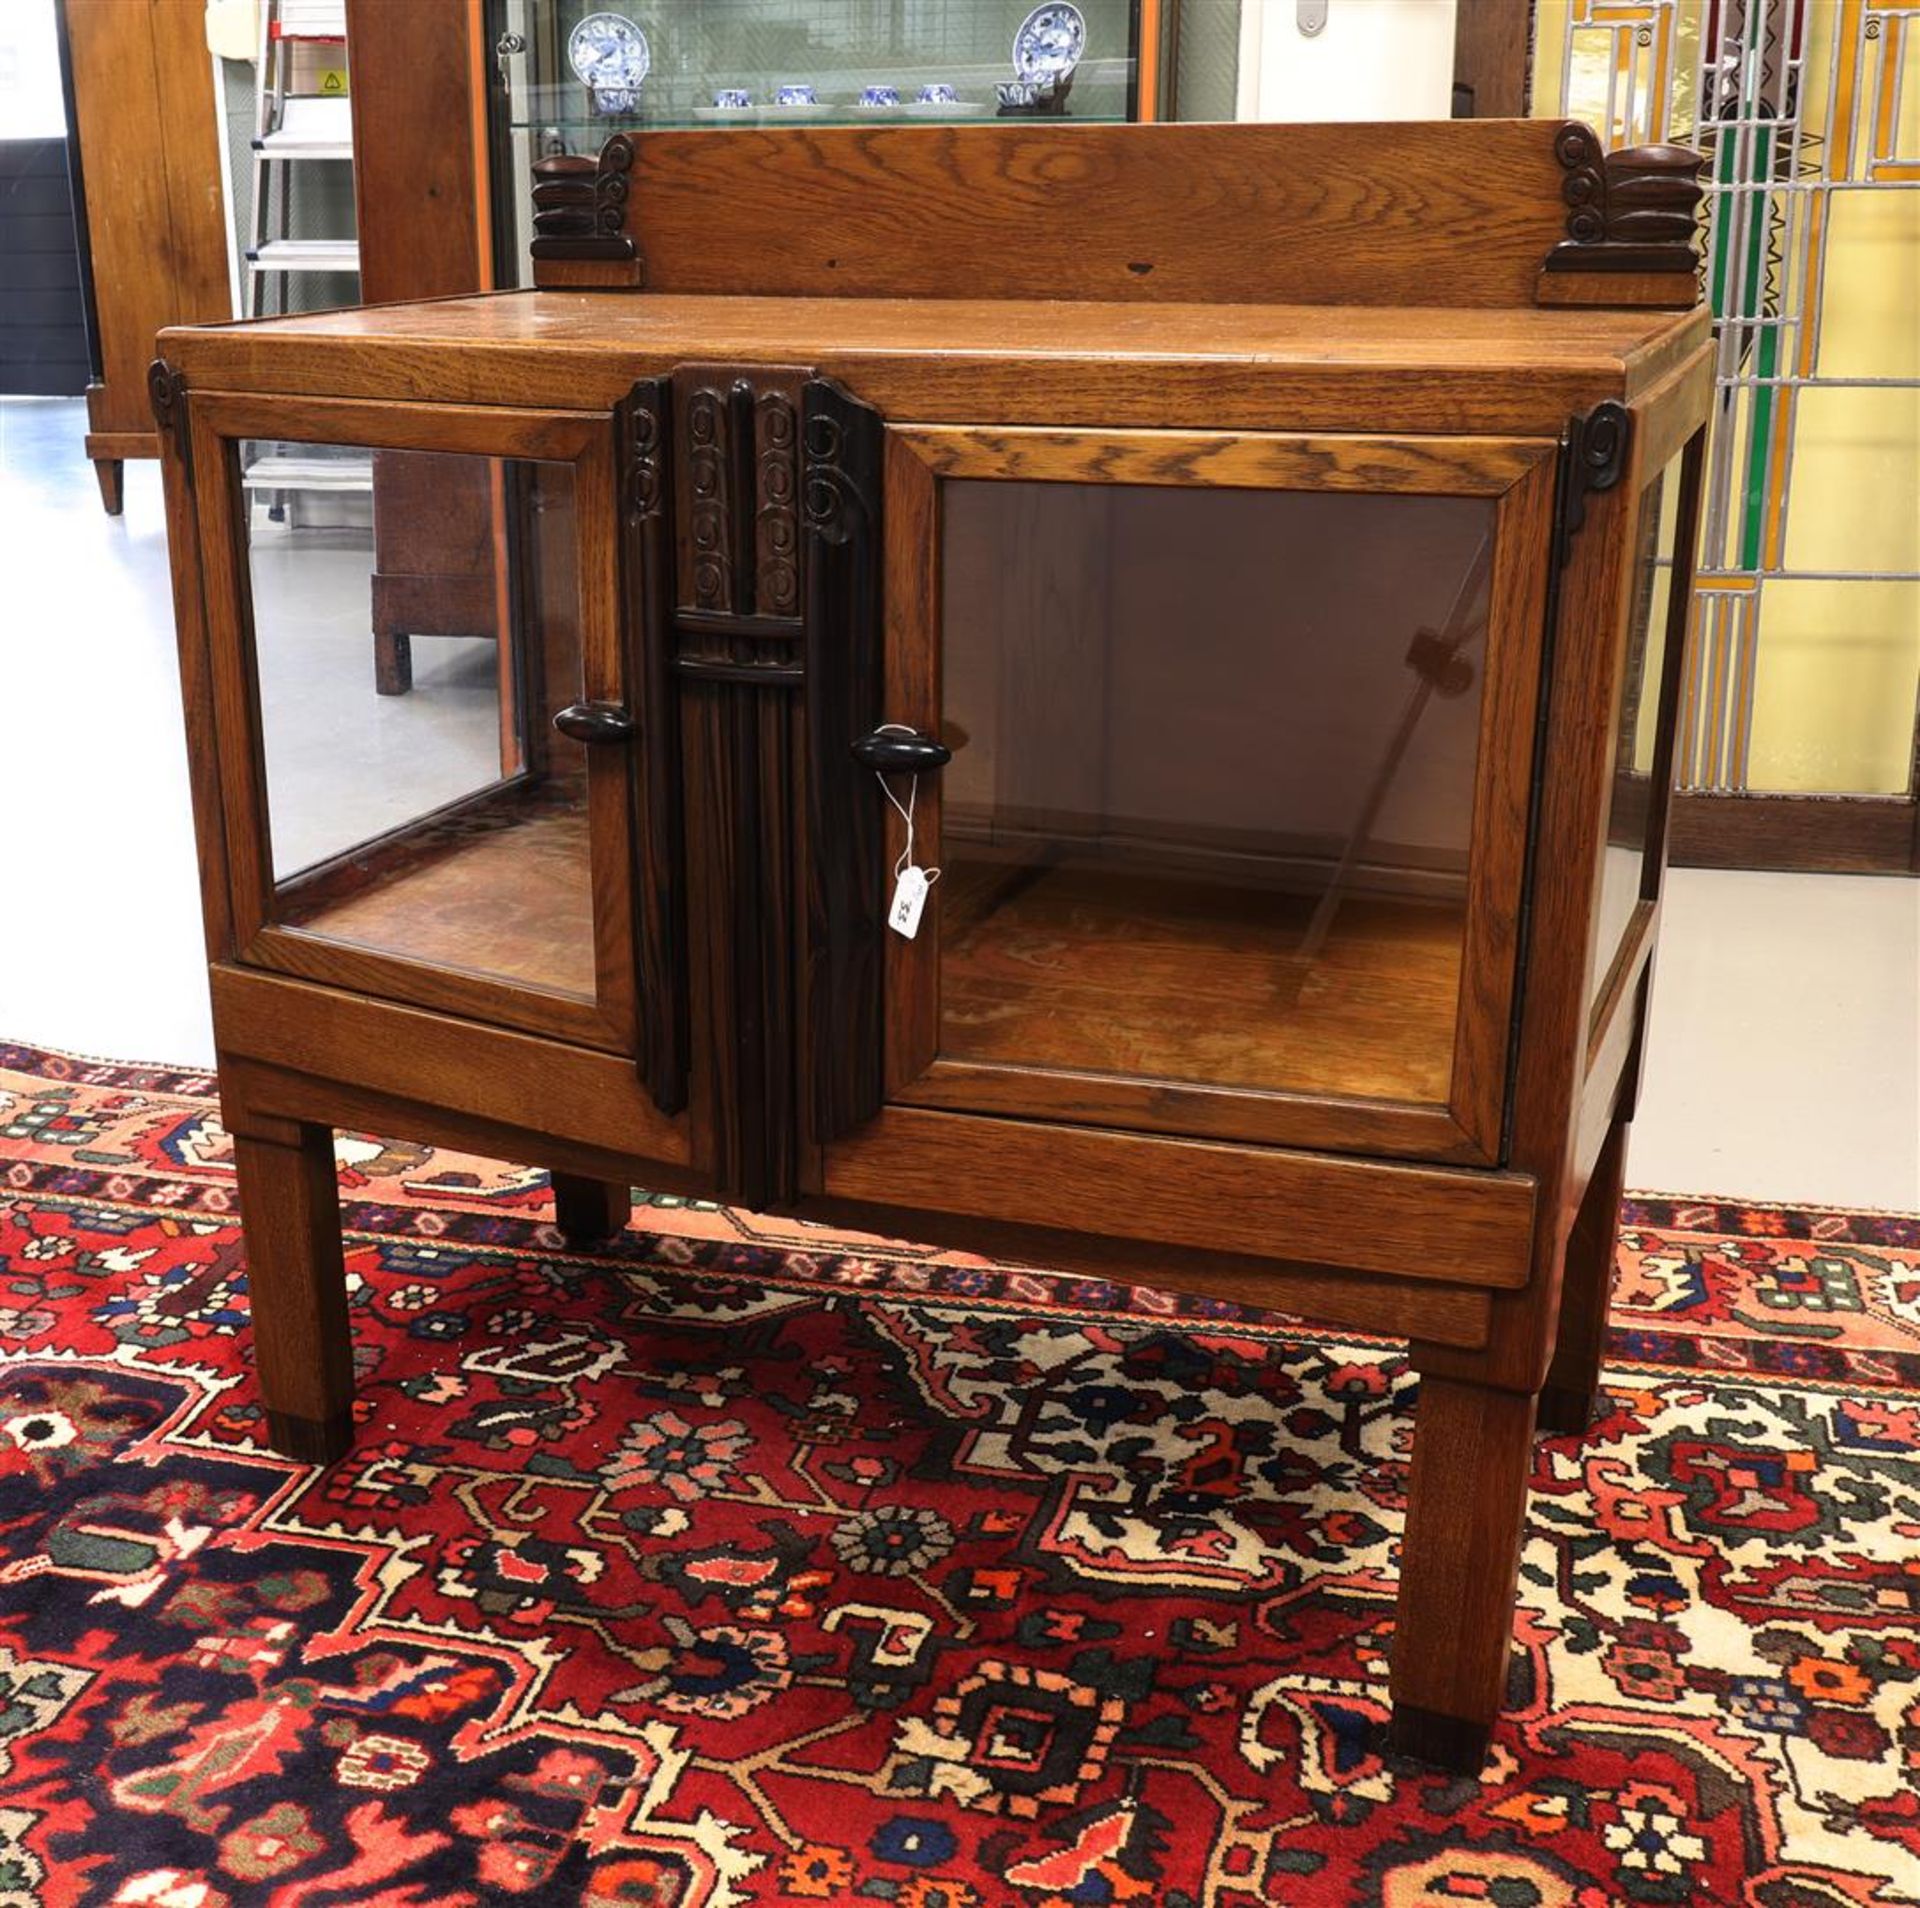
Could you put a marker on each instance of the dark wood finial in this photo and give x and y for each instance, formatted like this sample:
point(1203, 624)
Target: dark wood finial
point(1632, 214)
point(580, 219)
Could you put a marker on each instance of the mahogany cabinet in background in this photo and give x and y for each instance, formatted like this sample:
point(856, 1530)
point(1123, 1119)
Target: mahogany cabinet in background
point(420, 209)
point(1270, 610)
point(155, 231)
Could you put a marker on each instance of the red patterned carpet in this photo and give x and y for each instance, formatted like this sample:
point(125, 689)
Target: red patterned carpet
point(746, 1563)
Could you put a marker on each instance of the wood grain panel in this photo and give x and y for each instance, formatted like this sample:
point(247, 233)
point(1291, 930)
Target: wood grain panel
point(156, 231)
point(1455, 466)
point(1492, 40)
point(231, 712)
point(457, 430)
point(1435, 213)
point(419, 202)
point(910, 694)
point(197, 686)
point(1668, 413)
point(249, 1084)
point(512, 1079)
point(1426, 370)
point(1473, 1228)
point(1814, 834)
point(1364, 1126)
point(1453, 1315)
point(1510, 698)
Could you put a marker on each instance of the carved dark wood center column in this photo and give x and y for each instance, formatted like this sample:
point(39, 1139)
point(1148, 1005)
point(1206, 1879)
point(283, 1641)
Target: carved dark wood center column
point(766, 638)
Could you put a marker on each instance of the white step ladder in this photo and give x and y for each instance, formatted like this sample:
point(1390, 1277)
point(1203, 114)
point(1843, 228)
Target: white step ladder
point(290, 130)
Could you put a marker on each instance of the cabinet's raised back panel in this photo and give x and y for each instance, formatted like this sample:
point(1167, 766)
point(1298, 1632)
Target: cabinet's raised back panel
point(1441, 213)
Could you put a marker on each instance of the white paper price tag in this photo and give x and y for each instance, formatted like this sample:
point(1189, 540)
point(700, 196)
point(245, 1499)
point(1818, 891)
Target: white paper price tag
point(909, 901)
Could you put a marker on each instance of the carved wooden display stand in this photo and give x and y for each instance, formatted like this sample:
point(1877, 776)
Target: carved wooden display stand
point(1274, 586)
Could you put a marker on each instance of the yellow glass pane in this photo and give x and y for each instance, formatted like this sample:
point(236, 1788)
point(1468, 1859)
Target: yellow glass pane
point(1837, 676)
point(1855, 501)
point(1868, 328)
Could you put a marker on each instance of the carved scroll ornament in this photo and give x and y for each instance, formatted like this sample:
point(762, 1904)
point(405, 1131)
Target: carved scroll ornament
point(1635, 210)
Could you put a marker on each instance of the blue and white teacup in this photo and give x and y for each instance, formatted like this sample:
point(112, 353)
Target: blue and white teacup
point(795, 96)
point(939, 93)
point(879, 96)
point(733, 99)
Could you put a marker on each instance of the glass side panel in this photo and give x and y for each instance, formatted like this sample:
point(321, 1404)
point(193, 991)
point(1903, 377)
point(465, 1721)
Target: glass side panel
point(416, 621)
point(1630, 806)
point(1208, 815)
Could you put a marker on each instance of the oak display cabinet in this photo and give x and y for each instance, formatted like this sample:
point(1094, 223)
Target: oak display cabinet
point(1267, 596)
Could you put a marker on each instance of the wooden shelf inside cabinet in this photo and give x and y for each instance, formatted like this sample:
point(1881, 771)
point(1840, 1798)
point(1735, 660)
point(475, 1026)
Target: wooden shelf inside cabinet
point(1269, 610)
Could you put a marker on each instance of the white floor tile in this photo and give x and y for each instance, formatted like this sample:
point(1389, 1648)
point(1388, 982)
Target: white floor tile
point(1784, 1056)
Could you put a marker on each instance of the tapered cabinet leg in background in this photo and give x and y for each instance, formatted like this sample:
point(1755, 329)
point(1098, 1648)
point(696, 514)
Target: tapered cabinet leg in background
point(1466, 1508)
point(590, 1210)
point(110, 474)
point(297, 1286)
point(1572, 1390)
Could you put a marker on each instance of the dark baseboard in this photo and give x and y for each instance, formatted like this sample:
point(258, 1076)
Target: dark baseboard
point(1819, 834)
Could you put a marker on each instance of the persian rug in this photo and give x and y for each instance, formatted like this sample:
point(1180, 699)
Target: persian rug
point(744, 1562)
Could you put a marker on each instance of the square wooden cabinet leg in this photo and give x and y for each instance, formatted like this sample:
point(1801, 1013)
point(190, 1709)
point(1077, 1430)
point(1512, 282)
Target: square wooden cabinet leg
point(392, 662)
point(1572, 1390)
point(590, 1210)
point(297, 1286)
point(1466, 1508)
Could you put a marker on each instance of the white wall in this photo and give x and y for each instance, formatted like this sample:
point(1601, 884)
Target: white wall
point(1374, 59)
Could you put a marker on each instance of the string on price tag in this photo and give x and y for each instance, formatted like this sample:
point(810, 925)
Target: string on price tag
point(910, 882)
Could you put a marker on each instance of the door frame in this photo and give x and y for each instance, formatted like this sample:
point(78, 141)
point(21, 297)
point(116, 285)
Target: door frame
point(1517, 474)
point(218, 422)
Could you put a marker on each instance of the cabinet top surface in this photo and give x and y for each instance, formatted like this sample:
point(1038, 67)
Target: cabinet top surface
point(693, 324)
point(1435, 368)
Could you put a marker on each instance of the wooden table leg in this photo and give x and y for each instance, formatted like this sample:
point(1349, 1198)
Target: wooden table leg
point(1572, 1390)
point(588, 1211)
point(1466, 1508)
point(297, 1285)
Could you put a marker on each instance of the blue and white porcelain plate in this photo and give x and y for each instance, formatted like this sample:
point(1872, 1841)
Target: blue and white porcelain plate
point(610, 57)
point(1050, 42)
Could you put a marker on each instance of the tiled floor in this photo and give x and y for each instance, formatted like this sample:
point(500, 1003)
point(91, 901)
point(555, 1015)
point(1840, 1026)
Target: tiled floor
point(1784, 1065)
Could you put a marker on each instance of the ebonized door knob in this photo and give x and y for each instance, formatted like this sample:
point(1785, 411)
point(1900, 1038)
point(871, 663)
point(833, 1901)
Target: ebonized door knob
point(594, 722)
point(901, 752)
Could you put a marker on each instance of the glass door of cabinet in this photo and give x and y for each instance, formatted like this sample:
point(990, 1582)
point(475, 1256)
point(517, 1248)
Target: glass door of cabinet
point(423, 721)
point(1230, 841)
